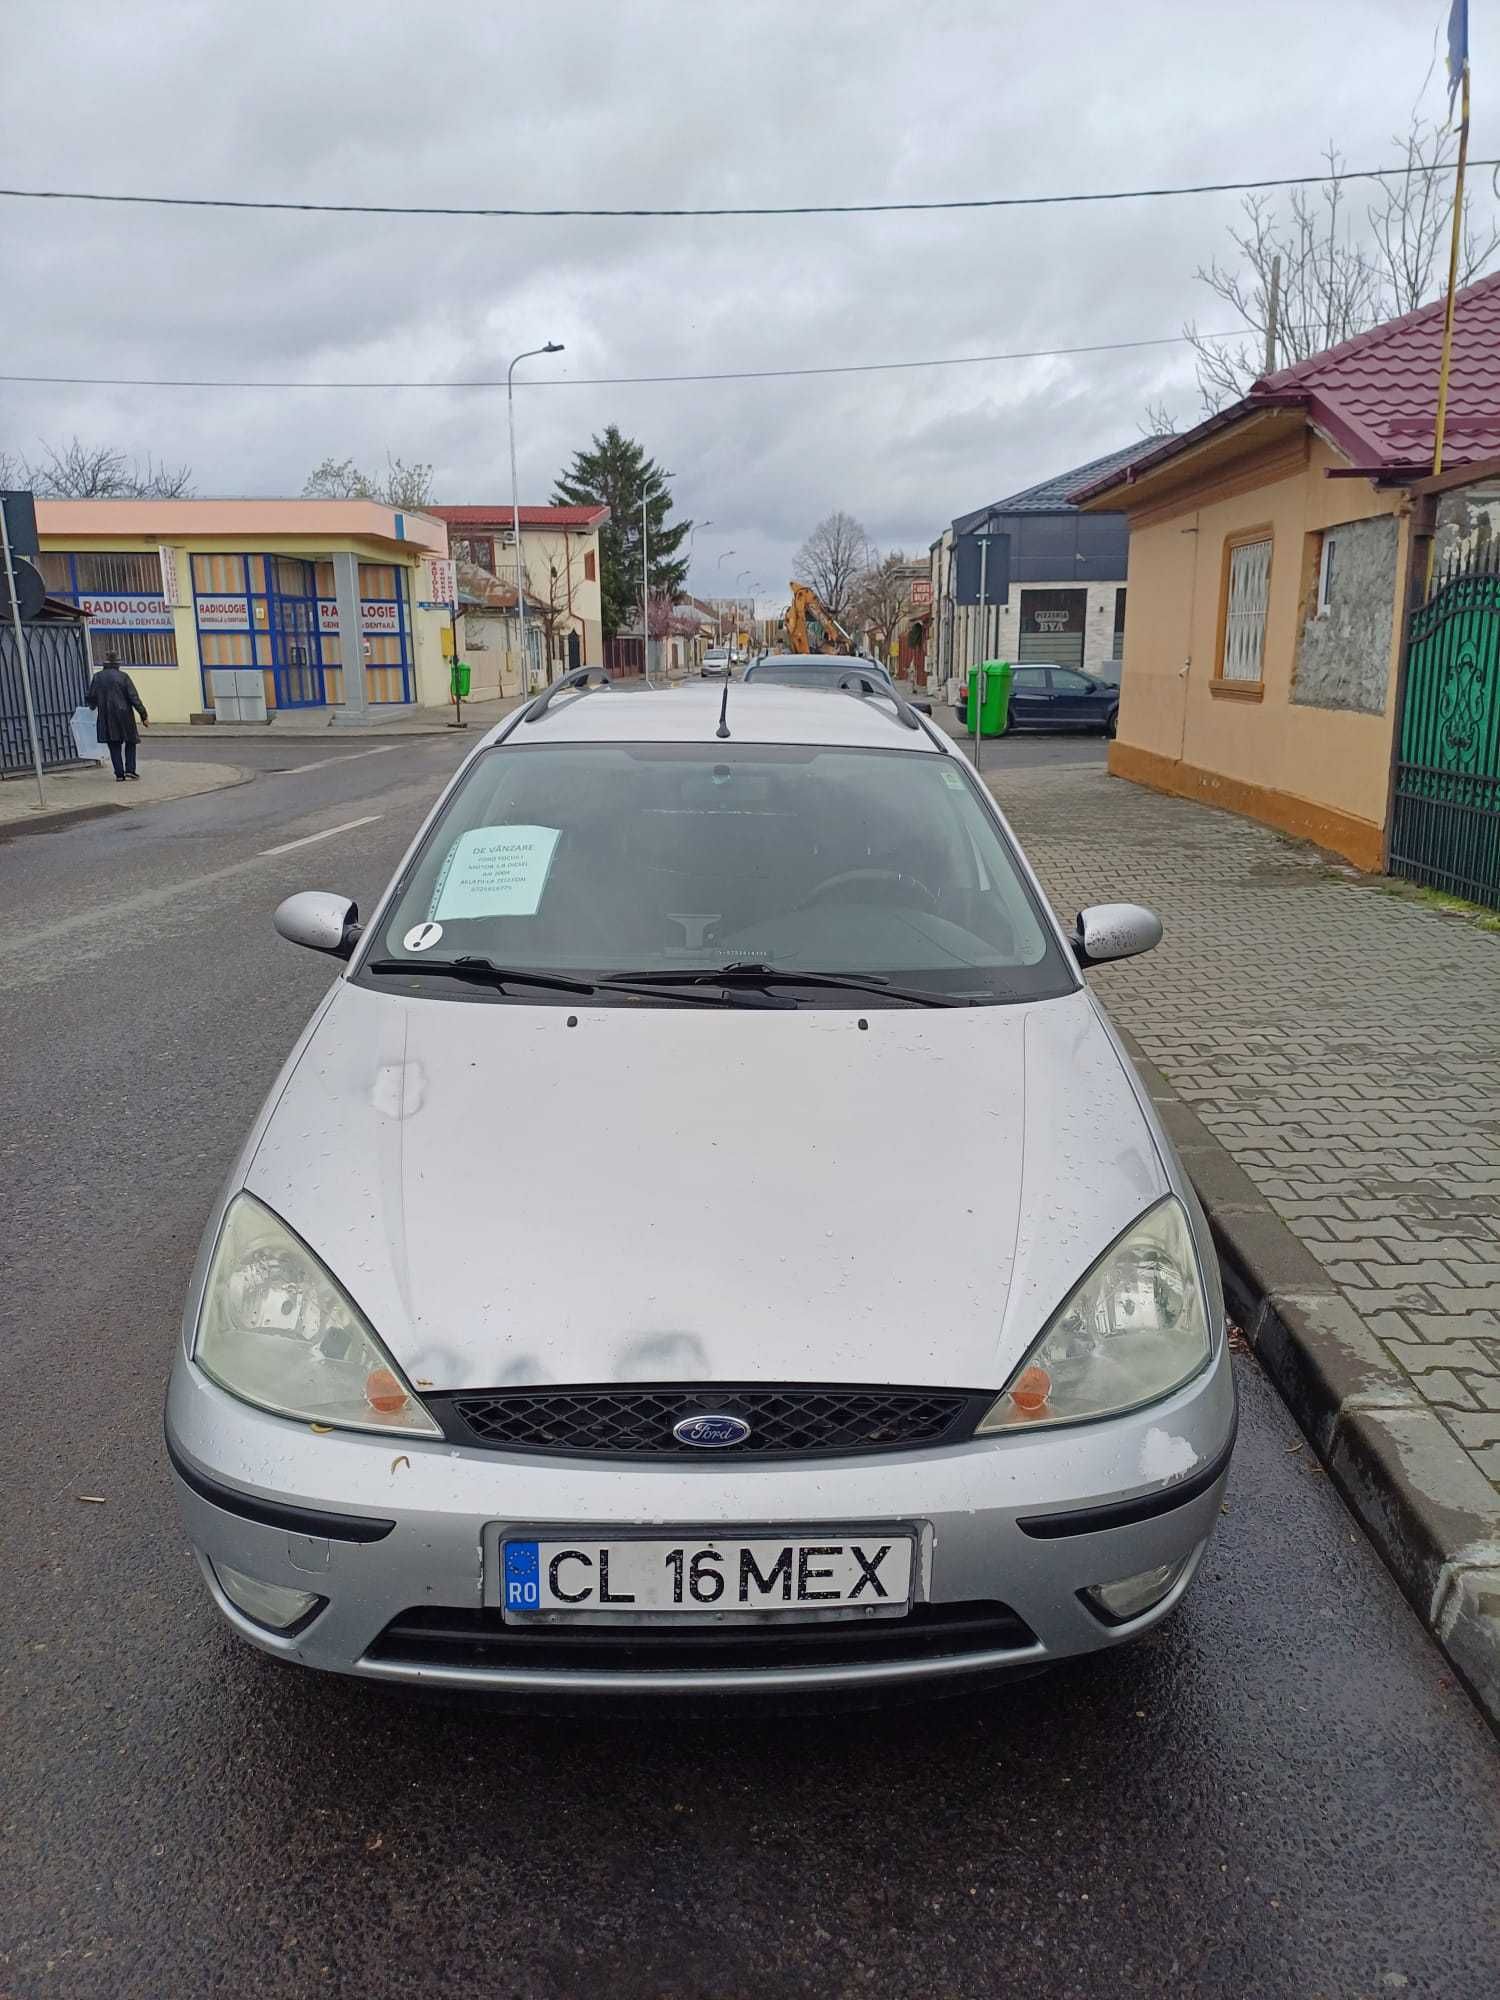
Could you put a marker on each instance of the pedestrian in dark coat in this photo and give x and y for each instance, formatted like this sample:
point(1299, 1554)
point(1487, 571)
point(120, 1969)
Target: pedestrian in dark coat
point(112, 696)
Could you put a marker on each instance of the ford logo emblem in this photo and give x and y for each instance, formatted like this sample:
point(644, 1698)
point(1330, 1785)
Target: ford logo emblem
point(711, 1432)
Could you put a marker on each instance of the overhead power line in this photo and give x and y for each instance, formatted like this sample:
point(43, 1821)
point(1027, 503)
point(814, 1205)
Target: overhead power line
point(1325, 178)
point(620, 381)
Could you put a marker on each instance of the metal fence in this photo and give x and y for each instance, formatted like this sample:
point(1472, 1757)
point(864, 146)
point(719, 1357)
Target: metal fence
point(59, 677)
point(1445, 820)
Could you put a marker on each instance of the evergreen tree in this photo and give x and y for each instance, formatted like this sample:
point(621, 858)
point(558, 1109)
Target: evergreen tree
point(616, 472)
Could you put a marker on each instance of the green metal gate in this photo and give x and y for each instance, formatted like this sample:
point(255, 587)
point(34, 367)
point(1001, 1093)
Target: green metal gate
point(1445, 822)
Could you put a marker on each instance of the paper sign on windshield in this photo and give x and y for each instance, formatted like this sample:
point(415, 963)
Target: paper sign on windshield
point(495, 871)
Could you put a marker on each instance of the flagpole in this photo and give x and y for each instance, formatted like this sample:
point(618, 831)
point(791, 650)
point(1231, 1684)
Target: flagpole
point(1458, 222)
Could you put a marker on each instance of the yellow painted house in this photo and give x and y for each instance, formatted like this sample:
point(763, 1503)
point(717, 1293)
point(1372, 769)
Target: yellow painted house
point(184, 590)
point(1272, 555)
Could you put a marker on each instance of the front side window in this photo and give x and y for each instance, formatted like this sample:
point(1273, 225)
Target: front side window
point(1247, 593)
point(600, 860)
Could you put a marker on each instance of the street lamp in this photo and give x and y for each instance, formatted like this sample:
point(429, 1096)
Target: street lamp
point(719, 602)
point(552, 347)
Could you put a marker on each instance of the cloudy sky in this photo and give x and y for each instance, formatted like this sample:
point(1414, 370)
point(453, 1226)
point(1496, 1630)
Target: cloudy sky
point(659, 103)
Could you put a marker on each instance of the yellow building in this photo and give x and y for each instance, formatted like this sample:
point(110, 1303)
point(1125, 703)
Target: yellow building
point(564, 601)
point(1270, 558)
point(187, 589)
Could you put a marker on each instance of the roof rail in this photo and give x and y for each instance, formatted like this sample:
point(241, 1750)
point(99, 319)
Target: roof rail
point(869, 689)
point(579, 678)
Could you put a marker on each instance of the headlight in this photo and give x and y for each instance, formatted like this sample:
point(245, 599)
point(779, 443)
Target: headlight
point(1133, 1331)
point(275, 1330)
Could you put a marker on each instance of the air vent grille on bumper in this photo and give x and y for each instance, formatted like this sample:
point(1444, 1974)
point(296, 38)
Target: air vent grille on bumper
point(790, 1421)
point(431, 1636)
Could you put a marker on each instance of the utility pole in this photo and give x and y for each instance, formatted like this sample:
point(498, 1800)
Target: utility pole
point(645, 595)
point(1273, 314)
point(552, 347)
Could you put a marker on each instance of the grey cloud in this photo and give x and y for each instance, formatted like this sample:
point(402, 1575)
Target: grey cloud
point(662, 103)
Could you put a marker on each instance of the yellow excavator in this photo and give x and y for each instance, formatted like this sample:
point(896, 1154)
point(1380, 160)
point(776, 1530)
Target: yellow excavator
point(811, 627)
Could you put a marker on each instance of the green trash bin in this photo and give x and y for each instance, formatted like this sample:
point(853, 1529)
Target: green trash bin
point(459, 685)
point(993, 706)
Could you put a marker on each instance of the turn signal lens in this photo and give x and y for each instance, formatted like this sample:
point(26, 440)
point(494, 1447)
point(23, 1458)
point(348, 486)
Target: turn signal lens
point(384, 1393)
point(277, 1330)
point(1136, 1329)
point(1029, 1392)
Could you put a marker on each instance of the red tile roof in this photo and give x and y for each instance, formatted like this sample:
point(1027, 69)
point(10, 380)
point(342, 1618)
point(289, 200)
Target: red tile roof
point(1375, 396)
point(499, 516)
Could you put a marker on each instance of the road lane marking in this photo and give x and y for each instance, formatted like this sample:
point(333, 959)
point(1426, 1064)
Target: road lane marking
point(322, 763)
point(327, 834)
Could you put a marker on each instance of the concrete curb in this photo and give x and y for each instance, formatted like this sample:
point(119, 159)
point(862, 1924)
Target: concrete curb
point(1431, 1514)
point(254, 732)
point(57, 818)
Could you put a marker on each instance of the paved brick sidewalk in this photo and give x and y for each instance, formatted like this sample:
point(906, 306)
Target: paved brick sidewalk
point(1342, 1044)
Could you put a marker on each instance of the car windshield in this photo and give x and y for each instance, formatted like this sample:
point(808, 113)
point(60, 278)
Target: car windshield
point(598, 860)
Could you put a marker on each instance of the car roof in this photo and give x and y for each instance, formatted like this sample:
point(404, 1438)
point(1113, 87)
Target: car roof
point(756, 713)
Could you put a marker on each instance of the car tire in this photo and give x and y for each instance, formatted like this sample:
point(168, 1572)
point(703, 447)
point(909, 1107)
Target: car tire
point(1111, 724)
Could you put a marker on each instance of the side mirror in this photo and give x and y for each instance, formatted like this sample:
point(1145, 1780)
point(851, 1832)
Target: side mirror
point(1114, 930)
point(922, 707)
point(319, 920)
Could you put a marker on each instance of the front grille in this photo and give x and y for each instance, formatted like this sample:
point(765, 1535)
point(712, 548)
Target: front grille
point(791, 1421)
point(430, 1636)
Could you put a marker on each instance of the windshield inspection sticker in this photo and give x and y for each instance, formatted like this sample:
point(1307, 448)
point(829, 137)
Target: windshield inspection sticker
point(421, 937)
point(495, 871)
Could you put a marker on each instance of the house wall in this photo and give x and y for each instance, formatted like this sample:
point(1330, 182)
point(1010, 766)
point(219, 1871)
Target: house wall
point(993, 632)
point(1344, 652)
point(566, 550)
point(1317, 764)
point(490, 645)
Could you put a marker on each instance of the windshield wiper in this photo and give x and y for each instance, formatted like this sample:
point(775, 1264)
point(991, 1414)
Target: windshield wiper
point(483, 970)
point(749, 972)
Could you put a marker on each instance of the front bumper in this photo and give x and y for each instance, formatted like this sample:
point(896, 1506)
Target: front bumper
point(383, 1528)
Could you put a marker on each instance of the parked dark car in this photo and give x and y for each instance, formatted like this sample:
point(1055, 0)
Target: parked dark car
point(1056, 698)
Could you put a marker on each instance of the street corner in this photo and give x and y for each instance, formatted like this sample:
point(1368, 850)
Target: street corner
point(93, 791)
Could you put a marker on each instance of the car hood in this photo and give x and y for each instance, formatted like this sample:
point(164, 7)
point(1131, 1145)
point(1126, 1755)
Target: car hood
point(703, 1194)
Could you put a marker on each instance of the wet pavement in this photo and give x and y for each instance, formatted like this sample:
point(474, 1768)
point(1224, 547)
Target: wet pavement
point(1282, 1791)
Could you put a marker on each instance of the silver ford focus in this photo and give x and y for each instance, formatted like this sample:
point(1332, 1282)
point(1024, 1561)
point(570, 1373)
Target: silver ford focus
point(584, 1314)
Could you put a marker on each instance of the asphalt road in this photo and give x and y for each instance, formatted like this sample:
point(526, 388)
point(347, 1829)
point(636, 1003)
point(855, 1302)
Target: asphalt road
point(1283, 1792)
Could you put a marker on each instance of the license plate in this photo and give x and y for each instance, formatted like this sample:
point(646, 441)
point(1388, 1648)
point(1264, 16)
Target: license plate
point(634, 1578)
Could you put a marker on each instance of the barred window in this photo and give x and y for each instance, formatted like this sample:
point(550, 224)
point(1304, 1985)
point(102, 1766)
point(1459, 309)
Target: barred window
point(1247, 592)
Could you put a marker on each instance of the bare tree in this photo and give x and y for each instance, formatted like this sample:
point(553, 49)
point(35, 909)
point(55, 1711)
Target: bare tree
point(833, 556)
point(1413, 223)
point(1338, 277)
point(12, 471)
point(550, 607)
point(402, 485)
point(882, 596)
point(76, 471)
point(1157, 422)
